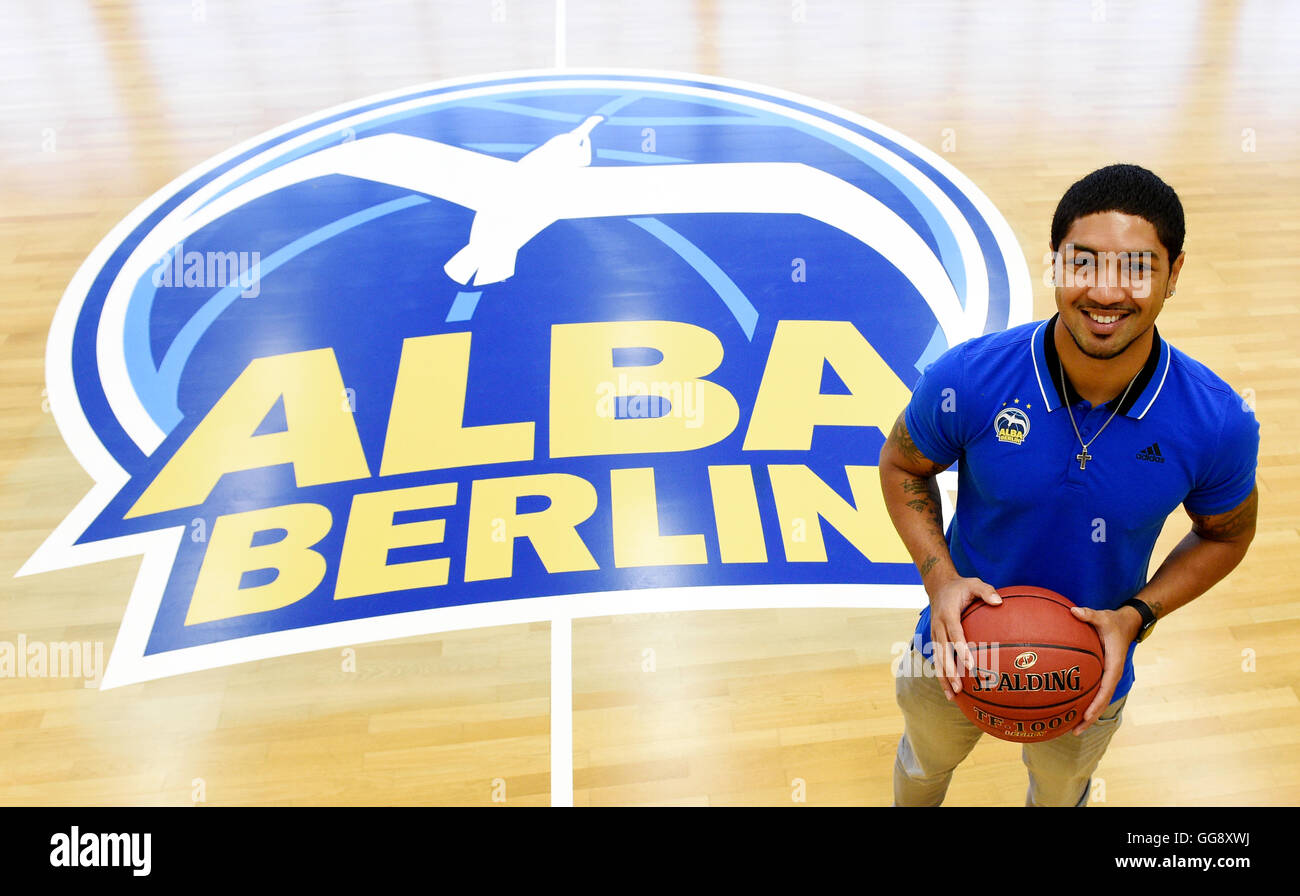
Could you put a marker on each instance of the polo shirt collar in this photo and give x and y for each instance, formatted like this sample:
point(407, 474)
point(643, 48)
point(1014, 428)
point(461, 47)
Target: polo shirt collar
point(1146, 388)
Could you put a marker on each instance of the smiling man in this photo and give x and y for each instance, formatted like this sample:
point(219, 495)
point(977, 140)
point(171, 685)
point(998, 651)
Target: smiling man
point(1074, 440)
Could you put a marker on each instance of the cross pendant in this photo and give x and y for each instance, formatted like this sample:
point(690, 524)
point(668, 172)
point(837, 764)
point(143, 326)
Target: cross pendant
point(1083, 458)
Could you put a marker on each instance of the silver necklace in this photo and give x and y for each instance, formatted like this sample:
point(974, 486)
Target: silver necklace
point(1083, 457)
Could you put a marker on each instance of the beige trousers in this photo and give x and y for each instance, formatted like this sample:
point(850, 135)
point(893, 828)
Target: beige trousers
point(937, 737)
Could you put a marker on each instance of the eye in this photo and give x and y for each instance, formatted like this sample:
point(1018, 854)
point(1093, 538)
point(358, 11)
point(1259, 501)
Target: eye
point(1082, 261)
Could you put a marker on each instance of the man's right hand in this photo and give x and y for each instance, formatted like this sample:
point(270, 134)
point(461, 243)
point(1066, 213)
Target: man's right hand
point(951, 654)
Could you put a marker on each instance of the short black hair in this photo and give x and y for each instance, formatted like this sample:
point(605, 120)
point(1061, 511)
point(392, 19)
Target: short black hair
point(1130, 189)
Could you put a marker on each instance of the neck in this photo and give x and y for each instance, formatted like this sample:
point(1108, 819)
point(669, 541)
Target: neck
point(1097, 380)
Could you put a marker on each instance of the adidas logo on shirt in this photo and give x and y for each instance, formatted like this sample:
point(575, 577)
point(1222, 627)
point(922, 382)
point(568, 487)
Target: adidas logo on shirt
point(1151, 453)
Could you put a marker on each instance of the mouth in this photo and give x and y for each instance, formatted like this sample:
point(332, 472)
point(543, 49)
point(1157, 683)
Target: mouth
point(1104, 323)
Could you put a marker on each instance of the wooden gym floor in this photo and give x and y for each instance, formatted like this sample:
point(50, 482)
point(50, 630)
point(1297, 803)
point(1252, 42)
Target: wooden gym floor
point(106, 102)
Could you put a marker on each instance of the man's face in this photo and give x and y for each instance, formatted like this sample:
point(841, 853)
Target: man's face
point(1111, 281)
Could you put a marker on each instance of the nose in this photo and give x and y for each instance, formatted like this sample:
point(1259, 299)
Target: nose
point(1108, 295)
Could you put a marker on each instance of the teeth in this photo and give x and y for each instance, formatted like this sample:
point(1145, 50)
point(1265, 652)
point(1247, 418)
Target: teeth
point(1106, 319)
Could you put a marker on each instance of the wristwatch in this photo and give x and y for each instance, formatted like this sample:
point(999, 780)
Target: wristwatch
point(1148, 618)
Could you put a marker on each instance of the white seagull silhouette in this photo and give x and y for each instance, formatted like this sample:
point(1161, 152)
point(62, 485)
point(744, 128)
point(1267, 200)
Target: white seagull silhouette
point(503, 224)
point(515, 201)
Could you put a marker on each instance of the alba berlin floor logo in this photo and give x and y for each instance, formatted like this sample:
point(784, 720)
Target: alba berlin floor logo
point(496, 349)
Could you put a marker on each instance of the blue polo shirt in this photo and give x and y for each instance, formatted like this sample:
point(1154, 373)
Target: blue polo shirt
point(1026, 513)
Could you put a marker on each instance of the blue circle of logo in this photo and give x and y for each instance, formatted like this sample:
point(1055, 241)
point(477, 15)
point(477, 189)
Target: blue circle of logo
point(677, 299)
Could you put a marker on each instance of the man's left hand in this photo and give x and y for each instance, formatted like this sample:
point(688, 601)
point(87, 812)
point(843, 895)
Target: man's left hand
point(1117, 629)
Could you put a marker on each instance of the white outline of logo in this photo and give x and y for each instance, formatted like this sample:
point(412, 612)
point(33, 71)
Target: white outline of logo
point(128, 663)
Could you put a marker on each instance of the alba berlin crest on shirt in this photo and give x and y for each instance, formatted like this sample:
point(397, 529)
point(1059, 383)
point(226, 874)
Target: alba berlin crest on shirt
point(1011, 425)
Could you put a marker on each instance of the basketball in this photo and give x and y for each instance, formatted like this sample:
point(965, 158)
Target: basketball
point(1037, 667)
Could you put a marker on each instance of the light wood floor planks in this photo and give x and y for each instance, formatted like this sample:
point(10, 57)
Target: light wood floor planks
point(106, 102)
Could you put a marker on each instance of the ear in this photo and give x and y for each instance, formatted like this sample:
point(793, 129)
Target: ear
point(1173, 273)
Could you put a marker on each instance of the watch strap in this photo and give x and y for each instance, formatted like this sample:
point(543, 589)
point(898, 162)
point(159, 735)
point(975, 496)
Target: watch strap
point(1147, 614)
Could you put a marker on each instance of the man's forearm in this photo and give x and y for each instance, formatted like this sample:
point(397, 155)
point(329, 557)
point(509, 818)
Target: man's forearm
point(1191, 569)
point(914, 506)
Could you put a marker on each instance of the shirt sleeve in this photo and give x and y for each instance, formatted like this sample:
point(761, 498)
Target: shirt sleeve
point(932, 416)
point(1229, 474)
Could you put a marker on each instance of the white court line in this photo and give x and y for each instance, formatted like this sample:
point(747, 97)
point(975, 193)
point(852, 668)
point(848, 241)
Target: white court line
point(559, 34)
point(562, 711)
point(561, 626)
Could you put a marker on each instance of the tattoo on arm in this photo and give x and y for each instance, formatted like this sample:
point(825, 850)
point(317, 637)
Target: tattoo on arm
point(916, 486)
point(1233, 525)
point(916, 461)
point(920, 490)
point(926, 500)
point(1157, 607)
